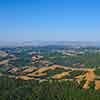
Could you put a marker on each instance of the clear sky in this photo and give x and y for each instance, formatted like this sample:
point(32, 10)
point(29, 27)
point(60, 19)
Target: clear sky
point(57, 20)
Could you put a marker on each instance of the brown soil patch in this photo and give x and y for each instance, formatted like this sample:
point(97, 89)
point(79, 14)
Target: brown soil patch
point(61, 75)
point(86, 85)
point(90, 76)
point(25, 78)
point(4, 62)
point(37, 75)
point(44, 69)
point(97, 84)
point(29, 70)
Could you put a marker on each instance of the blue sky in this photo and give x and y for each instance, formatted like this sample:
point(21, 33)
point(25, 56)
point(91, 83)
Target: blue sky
point(52, 20)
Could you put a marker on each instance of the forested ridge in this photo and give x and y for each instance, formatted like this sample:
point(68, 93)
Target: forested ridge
point(49, 90)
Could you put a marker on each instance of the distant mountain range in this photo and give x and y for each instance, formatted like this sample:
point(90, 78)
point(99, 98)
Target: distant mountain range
point(47, 43)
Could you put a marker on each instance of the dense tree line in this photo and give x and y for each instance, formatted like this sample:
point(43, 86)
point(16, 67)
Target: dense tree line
point(11, 89)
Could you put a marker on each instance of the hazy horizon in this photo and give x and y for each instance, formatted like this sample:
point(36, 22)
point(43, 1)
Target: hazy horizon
point(49, 20)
